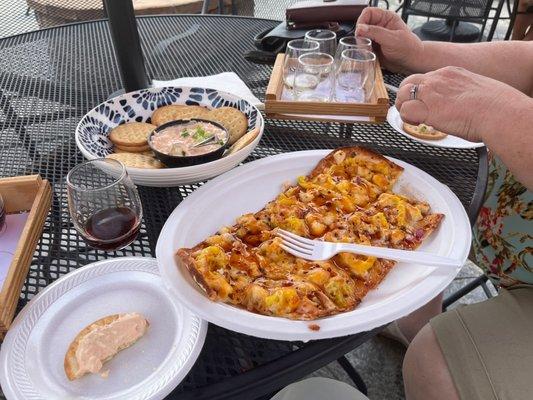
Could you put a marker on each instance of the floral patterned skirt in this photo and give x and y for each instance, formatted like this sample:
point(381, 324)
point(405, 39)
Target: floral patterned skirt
point(503, 234)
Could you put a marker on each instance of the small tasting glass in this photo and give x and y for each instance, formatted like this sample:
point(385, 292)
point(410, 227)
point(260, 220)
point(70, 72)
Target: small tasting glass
point(314, 77)
point(104, 204)
point(295, 48)
point(326, 39)
point(355, 76)
point(352, 42)
point(2, 216)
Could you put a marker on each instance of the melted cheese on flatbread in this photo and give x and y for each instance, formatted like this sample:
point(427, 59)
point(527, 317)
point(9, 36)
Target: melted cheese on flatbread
point(347, 198)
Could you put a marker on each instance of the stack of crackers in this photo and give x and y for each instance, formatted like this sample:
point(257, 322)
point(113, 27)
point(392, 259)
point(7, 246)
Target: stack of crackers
point(131, 145)
point(131, 139)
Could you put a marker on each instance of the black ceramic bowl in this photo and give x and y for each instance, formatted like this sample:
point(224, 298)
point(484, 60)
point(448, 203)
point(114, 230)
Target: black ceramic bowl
point(186, 161)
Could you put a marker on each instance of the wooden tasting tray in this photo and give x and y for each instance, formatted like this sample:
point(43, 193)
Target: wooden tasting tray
point(276, 108)
point(22, 193)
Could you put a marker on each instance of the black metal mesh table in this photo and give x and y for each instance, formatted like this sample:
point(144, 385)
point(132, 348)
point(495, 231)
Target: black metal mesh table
point(49, 79)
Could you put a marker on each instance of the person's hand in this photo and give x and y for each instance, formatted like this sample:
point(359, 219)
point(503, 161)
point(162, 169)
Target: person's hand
point(396, 46)
point(458, 102)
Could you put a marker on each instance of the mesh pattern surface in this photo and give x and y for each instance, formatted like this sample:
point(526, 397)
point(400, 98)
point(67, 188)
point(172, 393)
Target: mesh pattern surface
point(465, 9)
point(18, 16)
point(49, 79)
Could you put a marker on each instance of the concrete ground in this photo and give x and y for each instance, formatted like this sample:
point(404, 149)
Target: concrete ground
point(379, 360)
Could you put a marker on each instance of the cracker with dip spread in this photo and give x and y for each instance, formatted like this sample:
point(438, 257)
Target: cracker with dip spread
point(101, 341)
point(176, 112)
point(423, 131)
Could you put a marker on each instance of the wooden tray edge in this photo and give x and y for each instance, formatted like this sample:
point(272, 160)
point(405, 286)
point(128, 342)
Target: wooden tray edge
point(377, 110)
point(23, 256)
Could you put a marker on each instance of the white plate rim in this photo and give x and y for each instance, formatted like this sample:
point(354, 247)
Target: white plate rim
point(158, 387)
point(392, 118)
point(299, 330)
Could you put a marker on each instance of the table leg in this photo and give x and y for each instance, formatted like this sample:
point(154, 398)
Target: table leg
point(353, 374)
point(127, 44)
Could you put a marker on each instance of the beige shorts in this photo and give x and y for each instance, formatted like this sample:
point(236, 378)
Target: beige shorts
point(489, 346)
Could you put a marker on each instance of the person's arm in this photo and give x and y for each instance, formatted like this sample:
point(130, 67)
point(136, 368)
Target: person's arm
point(510, 62)
point(511, 139)
point(400, 50)
point(476, 108)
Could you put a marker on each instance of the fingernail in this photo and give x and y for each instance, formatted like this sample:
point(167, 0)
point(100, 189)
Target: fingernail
point(362, 28)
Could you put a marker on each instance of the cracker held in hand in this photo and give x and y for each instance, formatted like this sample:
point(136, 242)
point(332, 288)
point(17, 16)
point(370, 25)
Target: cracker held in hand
point(423, 131)
point(176, 112)
point(232, 119)
point(136, 160)
point(131, 134)
point(101, 341)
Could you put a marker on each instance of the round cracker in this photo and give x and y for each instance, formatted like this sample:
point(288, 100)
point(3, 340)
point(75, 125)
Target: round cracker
point(175, 112)
point(146, 153)
point(414, 130)
point(132, 149)
point(135, 160)
point(131, 134)
point(232, 119)
point(243, 141)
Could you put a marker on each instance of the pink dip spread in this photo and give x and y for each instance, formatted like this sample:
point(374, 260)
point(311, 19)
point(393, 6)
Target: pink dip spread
point(106, 341)
point(177, 140)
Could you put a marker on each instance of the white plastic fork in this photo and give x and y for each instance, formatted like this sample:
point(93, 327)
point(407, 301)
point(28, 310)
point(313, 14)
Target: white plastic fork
point(318, 250)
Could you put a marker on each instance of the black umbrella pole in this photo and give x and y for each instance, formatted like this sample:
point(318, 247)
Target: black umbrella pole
point(127, 44)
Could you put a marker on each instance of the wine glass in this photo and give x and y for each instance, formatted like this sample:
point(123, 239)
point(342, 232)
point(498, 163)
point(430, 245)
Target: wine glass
point(352, 42)
point(355, 76)
point(295, 48)
point(314, 77)
point(326, 39)
point(104, 204)
point(2, 216)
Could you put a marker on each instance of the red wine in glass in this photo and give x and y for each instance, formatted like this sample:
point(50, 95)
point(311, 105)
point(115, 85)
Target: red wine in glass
point(112, 228)
point(104, 204)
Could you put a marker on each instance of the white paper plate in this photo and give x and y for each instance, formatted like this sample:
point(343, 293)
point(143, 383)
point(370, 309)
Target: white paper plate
point(247, 189)
point(31, 358)
point(319, 388)
point(394, 119)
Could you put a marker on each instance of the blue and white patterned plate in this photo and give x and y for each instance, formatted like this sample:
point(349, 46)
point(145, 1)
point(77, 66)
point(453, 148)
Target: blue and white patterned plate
point(92, 132)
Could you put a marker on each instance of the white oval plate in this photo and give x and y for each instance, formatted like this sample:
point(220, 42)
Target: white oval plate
point(450, 141)
point(31, 358)
point(247, 189)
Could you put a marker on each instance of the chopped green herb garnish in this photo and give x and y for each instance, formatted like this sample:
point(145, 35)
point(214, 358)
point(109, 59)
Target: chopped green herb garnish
point(200, 134)
point(221, 142)
point(185, 133)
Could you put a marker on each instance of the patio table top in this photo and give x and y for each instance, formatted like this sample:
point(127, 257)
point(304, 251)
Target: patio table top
point(50, 78)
